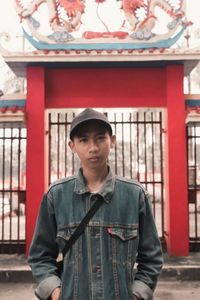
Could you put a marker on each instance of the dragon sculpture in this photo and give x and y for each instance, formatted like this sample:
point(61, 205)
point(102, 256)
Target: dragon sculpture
point(65, 18)
point(143, 29)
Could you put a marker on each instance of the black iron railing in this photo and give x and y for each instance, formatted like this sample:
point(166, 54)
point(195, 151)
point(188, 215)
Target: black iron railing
point(193, 149)
point(12, 187)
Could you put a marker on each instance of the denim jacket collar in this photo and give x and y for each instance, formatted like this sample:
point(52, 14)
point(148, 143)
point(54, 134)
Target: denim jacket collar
point(106, 191)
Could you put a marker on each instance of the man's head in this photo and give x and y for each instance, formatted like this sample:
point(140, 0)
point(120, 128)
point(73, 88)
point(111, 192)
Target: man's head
point(91, 139)
point(86, 117)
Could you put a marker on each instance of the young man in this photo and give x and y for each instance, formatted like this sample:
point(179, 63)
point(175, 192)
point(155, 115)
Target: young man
point(100, 265)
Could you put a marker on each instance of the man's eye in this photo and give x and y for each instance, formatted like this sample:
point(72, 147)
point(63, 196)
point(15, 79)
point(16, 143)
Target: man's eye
point(101, 137)
point(83, 140)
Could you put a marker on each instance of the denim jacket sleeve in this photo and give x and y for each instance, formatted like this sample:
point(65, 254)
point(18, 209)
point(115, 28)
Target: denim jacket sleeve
point(149, 258)
point(44, 250)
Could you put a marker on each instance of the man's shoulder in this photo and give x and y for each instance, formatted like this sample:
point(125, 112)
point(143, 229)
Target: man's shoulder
point(128, 181)
point(62, 181)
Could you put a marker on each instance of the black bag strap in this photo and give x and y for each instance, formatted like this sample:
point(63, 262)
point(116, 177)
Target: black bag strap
point(81, 227)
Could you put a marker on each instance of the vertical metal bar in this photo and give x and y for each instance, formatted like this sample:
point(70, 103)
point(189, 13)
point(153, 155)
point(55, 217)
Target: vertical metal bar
point(65, 148)
point(115, 126)
point(25, 187)
point(23, 192)
point(161, 172)
point(58, 146)
point(73, 160)
point(145, 148)
point(138, 146)
point(123, 167)
point(50, 150)
point(130, 139)
point(19, 184)
point(197, 180)
point(153, 163)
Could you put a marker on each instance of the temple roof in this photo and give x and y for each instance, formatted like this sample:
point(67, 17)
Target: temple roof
point(119, 35)
point(18, 61)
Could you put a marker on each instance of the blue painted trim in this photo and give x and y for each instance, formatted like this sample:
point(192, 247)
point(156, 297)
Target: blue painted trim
point(104, 46)
point(11, 103)
point(193, 103)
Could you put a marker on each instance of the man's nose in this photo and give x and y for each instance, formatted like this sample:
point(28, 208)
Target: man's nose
point(93, 145)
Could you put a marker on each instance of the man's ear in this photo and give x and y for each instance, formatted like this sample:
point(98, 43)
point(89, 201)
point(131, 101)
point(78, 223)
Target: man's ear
point(71, 146)
point(113, 141)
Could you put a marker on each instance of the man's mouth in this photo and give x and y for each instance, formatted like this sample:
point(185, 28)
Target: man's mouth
point(93, 158)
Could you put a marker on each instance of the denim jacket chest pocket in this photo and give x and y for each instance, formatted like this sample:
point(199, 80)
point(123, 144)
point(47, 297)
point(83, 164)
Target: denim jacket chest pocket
point(63, 236)
point(123, 243)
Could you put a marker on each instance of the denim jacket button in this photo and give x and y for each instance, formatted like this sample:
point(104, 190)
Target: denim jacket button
point(96, 269)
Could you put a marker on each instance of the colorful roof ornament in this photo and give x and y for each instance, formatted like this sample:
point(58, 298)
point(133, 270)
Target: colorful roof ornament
point(12, 109)
point(102, 24)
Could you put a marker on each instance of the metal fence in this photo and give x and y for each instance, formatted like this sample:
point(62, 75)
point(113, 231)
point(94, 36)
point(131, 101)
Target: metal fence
point(12, 187)
point(193, 142)
point(138, 153)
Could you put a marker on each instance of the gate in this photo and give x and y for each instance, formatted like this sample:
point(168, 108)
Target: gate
point(138, 153)
point(193, 142)
point(12, 187)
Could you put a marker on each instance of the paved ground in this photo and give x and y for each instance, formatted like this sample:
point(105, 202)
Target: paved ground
point(174, 290)
point(166, 290)
point(179, 279)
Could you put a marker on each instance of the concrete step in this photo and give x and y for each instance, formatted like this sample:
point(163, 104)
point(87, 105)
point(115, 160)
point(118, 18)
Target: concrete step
point(14, 268)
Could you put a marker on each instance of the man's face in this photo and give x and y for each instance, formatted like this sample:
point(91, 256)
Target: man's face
point(92, 145)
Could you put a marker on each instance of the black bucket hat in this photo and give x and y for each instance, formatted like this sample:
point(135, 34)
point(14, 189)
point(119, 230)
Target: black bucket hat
point(87, 115)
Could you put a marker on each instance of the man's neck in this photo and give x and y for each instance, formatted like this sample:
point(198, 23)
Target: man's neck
point(95, 178)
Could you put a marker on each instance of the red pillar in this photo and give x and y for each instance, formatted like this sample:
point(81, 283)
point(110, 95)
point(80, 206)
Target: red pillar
point(176, 208)
point(35, 173)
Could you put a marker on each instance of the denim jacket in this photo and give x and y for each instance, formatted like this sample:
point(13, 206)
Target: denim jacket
point(100, 265)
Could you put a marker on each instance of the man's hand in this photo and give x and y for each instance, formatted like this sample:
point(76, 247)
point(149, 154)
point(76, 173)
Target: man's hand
point(55, 295)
